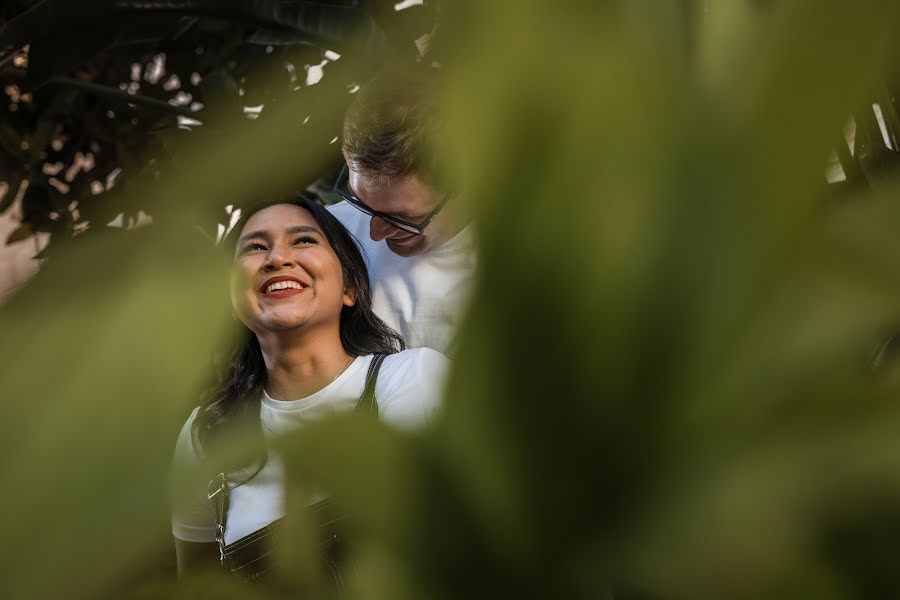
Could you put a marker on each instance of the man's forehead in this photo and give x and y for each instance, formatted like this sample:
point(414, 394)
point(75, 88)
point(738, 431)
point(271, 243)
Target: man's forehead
point(391, 194)
point(369, 181)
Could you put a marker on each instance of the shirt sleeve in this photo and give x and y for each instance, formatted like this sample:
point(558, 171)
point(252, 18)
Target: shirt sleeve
point(193, 519)
point(410, 387)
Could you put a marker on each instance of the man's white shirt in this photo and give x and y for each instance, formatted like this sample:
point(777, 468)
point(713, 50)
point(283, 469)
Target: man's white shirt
point(422, 297)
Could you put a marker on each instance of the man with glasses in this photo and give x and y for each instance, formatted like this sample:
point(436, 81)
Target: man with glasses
point(410, 224)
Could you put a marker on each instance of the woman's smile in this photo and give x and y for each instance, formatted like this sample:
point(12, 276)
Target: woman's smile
point(282, 287)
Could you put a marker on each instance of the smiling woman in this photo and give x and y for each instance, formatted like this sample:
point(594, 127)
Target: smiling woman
point(310, 346)
point(282, 254)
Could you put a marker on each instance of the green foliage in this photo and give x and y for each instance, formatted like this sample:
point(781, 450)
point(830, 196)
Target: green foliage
point(662, 384)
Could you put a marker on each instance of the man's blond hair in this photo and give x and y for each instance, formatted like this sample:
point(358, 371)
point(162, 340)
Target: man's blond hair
point(392, 126)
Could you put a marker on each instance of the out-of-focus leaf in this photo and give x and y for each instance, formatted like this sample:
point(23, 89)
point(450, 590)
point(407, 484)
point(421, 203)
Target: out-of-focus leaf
point(11, 141)
point(37, 203)
point(58, 55)
point(23, 232)
point(323, 23)
point(14, 182)
point(118, 95)
point(662, 379)
point(41, 138)
point(403, 28)
point(28, 26)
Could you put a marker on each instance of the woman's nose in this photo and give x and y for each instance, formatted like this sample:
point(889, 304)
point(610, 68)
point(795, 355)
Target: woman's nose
point(279, 256)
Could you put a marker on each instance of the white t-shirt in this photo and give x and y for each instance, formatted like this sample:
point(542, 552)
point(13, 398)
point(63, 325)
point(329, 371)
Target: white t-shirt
point(408, 391)
point(421, 297)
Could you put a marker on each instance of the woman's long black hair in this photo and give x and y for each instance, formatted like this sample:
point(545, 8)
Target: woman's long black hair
point(236, 395)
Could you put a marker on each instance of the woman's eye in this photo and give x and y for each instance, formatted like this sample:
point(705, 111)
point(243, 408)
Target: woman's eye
point(306, 239)
point(251, 247)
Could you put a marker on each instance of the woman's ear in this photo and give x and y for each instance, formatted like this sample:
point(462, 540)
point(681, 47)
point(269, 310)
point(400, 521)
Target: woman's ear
point(349, 296)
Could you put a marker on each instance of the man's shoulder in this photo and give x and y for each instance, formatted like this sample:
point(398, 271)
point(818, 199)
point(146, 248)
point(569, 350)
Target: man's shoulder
point(410, 386)
point(421, 369)
point(410, 363)
point(350, 217)
point(357, 223)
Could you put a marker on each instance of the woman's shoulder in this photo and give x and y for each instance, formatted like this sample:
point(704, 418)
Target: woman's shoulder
point(187, 445)
point(189, 422)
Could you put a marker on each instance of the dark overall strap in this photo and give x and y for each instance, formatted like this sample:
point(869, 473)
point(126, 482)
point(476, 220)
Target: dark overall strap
point(367, 403)
point(218, 490)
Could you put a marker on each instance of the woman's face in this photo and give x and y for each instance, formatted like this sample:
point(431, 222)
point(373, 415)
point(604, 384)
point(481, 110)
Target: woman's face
point(285, 273)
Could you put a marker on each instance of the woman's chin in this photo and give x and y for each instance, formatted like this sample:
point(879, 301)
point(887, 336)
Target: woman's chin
point(276, 323)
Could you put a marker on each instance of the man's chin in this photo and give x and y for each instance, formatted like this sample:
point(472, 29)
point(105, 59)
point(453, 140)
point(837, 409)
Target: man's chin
point(405, 248)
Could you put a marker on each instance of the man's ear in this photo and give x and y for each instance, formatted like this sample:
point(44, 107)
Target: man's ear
point(349, 296)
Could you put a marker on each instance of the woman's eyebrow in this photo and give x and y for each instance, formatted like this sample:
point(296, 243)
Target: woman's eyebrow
point(303, 229)
point(252, 234)
point(290, 230)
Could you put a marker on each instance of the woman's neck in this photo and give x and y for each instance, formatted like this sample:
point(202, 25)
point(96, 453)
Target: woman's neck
point(299, 368)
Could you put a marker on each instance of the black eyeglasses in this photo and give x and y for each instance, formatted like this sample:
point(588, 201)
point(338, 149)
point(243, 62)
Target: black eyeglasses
point(342, 189)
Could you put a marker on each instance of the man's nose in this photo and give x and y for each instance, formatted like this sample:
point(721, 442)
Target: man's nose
point(380, 229)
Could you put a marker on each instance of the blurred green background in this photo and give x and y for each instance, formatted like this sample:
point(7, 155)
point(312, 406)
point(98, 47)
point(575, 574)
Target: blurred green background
point(676, 377)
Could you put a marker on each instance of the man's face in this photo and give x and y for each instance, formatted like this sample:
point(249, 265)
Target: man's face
point(408, 198)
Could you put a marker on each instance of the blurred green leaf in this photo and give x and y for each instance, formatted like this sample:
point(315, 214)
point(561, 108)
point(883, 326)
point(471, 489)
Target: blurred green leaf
point(11, 141)
point(40, 139)
point(662, 383)
point(37, 204)
point(334, 22)
point(22, 232)
point(121, 97)
point(13, 182)
point(65, 51)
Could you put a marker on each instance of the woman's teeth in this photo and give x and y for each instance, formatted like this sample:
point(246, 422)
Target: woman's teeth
point(283, 285)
